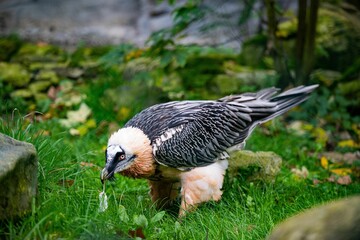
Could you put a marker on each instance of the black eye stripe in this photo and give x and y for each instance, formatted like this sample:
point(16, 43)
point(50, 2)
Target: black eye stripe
point(118, 155)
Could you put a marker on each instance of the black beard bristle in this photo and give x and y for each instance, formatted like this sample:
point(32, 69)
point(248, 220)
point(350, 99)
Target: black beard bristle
point(112, 178)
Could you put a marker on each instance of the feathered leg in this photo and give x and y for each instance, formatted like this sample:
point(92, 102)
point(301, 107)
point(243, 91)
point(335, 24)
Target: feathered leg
point(163, 193)
point(201, 185)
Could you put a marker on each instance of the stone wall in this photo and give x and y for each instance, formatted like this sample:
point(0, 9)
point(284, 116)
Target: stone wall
point(89, 21)
point(70, 22)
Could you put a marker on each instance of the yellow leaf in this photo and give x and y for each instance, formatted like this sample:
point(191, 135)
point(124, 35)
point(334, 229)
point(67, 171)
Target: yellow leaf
point(341, 171)
point(302, 173)
point(324, 162)
point(82, 130)
point(320, 135)
point(349, 143)
point(91, 123)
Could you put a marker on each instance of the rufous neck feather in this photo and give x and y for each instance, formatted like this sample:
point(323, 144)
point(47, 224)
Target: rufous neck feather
point(133, 140)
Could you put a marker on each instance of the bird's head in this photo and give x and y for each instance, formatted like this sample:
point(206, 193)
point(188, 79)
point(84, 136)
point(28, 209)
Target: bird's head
point(128, 152)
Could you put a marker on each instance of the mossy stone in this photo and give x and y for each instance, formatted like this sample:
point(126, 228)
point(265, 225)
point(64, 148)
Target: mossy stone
point(269, 164)
point(40, 86)
point(14, 74)
point(335, 220)
point(22, 93)
point(40, 96)
point(42, 53)
point(18, 177)
point(48, 76)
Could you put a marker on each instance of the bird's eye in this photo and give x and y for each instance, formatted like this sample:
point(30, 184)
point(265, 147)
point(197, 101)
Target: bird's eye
point(122, 157)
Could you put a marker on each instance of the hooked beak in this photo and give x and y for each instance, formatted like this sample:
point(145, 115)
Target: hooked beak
point(109, 170)
point(105, 175)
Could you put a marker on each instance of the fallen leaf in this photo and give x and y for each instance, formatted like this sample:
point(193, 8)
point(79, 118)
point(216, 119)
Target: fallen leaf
point(324, 162)
point(52, 92)
point(337, 157)
point(297, 127)
point(300, 173)
point(320, 135)
point(74, 73)
point(75, 117)
point(66, 86)
point(65, 182)
point(316, 181)
point(349, 143)
point(83, 130)
point(74, 132)
point(69, 99)
point(331, 178)
point(344, 180)
point(80, 115)
point(341, 171)
point(91, 123)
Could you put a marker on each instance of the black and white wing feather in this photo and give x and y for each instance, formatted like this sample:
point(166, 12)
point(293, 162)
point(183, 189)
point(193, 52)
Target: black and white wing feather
point(189, 134)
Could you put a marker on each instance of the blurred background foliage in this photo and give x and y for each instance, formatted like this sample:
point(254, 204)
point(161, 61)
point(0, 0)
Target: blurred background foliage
point(318, 43)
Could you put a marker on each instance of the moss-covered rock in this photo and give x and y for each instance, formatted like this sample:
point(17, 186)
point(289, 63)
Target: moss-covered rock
point(40, 86)
point(14, 74)
point(336, 220)
point(18, 177)
point(40, 53)
point(267, 163)
point(22, 93)
point(47, 76)
point(40, 97)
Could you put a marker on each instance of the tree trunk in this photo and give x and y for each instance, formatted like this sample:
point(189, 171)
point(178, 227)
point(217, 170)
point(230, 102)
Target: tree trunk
point(300, 40)
point(305, 42)
point(274, 47)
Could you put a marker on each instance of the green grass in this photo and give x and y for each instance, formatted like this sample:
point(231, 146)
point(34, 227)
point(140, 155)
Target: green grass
point(67, 206)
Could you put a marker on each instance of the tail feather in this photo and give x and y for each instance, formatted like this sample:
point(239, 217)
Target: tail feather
point(289, 99)
point(263, 105)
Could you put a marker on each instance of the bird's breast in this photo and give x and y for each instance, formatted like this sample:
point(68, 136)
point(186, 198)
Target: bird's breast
point(141, 168)
point(166, 174)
